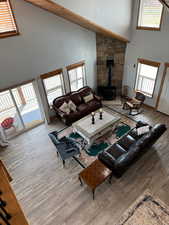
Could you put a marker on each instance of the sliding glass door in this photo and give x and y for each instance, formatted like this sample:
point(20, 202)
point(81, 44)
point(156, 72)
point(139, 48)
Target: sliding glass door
point(10, 120)
point(19, 109)
point(27, 104)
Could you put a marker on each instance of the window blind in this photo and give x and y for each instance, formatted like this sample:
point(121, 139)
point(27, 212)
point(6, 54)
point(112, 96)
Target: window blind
point(7, 23)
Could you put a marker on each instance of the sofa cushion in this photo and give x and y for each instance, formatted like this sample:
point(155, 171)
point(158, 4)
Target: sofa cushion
point(72, 106)
point(107, 160)
point(65, 108)
point(143, 130)
point(76, 98)
point(73, 116)
point(134, 134)
point(60, 100)
point(126, 142)
point(93, 105)
point(158, 130)
point(85, 91)
point(116, 151)
point(83, 108)
point(88, 98)
point(141, 124)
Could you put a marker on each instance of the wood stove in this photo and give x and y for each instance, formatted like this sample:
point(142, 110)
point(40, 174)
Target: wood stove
point(108, 92)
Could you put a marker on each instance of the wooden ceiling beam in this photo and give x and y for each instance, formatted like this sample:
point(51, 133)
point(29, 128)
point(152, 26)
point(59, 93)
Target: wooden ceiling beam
point(165, 3)
point(75, 18)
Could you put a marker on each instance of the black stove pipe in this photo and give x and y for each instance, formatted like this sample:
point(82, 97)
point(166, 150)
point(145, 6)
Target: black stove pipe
point(110, 64)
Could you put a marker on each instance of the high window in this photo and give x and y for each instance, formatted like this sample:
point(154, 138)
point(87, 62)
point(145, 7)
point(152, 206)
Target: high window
point(147, 72)
point(53, 84)
point(77, 77)
point(150, 15)
point(7, 21)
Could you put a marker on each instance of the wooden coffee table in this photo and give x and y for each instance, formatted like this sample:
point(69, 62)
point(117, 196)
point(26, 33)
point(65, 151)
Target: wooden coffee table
point(94, 175)
point(91, 132)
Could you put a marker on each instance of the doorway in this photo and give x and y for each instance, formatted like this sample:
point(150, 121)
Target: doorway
point(19, 109)
point(163, 101)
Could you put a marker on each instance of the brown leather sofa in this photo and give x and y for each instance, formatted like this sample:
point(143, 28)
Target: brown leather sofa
point(83, 108)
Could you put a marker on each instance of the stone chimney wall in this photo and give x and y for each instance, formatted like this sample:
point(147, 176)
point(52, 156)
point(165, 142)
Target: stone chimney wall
point(109, 48)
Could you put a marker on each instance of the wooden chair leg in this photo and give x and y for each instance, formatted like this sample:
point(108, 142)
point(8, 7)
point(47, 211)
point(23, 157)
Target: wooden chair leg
point(93, 192)
point(81, 183)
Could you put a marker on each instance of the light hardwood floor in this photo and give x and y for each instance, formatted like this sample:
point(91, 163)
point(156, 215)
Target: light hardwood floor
point(51, 195)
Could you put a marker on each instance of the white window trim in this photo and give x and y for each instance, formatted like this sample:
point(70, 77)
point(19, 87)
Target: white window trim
point(141, 27)
point(62, 86)
point(83, 78)
point(139, 75)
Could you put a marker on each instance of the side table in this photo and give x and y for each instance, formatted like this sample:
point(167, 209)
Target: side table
point(94, 175)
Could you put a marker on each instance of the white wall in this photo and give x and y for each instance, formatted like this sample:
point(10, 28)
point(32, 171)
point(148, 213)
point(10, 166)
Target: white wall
point(151, 45)
point(114, 15)
point(46, 42)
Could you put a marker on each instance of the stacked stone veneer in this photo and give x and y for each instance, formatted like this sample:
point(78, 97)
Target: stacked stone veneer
point(108, 48)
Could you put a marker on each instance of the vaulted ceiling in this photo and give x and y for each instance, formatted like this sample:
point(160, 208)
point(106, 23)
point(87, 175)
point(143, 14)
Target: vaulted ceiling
point(67, 14)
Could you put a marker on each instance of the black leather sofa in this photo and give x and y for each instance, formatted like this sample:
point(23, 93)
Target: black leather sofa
point(121, 155)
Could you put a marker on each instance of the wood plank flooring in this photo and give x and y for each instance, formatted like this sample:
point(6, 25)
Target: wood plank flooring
point(51, 195)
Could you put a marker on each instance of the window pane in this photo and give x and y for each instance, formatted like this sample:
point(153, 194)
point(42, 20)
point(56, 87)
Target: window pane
point(8, 110)
point(74, 86)
point(72, 75)
point(80, 83)
point(52, 82)
point(54, 87)
point(28, 106)
point(79, 72)
point(28, 92)
point(150, 13)
point(146, 76)
point(54, 94)
point(77, 78)
point(148, 71)
point(146, 85)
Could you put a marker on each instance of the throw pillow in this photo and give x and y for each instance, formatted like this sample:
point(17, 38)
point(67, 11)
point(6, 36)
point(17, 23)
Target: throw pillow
point(72, 106)
point(143, 130)
point(88, 98)
point(65, 108)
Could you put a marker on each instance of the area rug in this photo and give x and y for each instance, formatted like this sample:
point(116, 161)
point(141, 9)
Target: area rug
point(147, 210)
point(119, 109)
point(88, 155)
point(116, 101)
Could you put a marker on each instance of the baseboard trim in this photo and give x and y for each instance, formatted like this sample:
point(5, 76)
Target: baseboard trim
point(149, 106)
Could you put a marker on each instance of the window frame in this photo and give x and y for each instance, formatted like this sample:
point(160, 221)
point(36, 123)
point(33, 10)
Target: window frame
point(49, 75)
point(75, 66)
point(149, 63)
point(166, 66)
point(149, 28)
point(10, 33)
